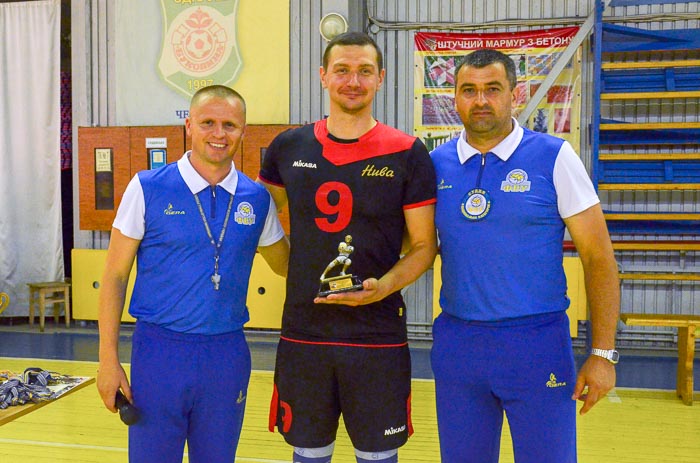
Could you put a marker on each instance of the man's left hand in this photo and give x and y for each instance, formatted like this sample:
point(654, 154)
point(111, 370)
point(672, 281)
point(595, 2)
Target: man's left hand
point(597, 375)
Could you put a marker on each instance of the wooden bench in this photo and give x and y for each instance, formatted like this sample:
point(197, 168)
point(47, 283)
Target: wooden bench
point(687, 326)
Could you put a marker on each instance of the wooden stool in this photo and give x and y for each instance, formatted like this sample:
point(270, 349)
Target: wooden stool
point(53, 292)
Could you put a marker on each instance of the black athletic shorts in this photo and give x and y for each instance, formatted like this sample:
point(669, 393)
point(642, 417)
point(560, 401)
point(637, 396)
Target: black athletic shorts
point(369, 385)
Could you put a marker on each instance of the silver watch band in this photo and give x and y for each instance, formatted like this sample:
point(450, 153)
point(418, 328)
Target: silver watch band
point(610, 355)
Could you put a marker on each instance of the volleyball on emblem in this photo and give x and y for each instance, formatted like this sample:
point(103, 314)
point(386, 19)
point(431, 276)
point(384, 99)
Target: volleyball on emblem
point(517, 176)
point(245, 209)
point(476, 204)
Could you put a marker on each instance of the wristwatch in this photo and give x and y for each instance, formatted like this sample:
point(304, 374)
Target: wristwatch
point(611, 355)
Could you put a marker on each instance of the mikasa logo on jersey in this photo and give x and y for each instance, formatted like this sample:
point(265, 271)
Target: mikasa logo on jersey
point(308, 165)
point(391, 431)
point(516, 182)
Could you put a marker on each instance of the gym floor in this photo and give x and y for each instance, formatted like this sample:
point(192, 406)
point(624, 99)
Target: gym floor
point(641, 421)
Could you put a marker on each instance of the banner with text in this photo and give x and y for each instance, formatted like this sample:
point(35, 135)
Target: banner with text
point(534, 54)
point(167, 50)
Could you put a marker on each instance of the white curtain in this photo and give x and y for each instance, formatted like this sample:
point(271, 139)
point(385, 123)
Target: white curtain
point(31, 248)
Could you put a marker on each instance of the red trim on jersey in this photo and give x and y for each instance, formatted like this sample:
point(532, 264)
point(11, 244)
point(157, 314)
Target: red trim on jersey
point(408, 412)
point(343, 344)
point(264, 180)
point(379, 141)
point(421, 204)
point(274, 403)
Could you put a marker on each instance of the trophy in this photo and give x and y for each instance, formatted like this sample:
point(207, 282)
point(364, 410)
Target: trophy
point(343, 282)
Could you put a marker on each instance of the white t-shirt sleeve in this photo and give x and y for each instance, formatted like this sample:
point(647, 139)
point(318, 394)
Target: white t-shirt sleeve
point(273, 231)
point(575, 191)
point(131, 215)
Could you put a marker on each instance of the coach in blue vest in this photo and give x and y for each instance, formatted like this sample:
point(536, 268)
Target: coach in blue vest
point(194, 226)
point(502, 344)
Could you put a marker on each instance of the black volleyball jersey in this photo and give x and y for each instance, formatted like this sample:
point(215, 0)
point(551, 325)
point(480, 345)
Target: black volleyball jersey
point(337, 188)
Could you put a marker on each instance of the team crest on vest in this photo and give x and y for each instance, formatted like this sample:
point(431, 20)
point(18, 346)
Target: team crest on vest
point(516, 182)
point(199, 45)
point(244, 215)
point(476, 204)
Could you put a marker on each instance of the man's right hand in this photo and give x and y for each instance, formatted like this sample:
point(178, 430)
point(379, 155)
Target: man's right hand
point(110, 378)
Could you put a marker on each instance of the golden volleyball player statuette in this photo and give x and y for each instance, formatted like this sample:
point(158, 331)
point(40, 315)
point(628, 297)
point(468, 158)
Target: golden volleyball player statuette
point(342, 282)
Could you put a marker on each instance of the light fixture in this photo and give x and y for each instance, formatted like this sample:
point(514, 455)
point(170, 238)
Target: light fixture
point(331, 25)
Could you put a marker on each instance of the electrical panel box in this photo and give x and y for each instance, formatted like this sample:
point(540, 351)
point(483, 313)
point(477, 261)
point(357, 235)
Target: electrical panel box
point(110, 156)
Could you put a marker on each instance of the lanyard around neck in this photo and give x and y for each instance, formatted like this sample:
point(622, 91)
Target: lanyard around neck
point(215, 278)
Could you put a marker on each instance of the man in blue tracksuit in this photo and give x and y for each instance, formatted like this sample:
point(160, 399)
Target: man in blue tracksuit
point(502, 344)
point(195, 226)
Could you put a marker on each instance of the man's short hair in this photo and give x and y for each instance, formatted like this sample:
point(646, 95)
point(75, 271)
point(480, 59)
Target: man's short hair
point(218, 91)
point(485, 56)
point(352, 38)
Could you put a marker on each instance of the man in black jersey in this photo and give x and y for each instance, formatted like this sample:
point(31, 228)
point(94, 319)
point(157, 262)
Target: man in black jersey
point(349, 175)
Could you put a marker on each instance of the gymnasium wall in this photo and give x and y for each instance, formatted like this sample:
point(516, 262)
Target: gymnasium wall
point(393, 23)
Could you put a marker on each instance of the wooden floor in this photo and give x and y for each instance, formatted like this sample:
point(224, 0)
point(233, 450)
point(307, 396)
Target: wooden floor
point(630, 426)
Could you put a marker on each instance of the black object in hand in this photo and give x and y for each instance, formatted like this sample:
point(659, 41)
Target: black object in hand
point(127, 412)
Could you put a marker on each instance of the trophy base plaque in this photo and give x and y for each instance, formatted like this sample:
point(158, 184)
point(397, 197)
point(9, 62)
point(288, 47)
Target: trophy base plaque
point(339, 284)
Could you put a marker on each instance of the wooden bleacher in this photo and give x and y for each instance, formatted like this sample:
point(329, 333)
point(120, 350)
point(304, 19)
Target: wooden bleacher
point(651, 64)
point(642, 156)
point(651, 150)
point(659, 276)
point(649, 125)
point(627, 65)
point(647, 245)
point(654, 186)
point(657, 245)
point(666, 156)
point(634, 96)
point(648, 216)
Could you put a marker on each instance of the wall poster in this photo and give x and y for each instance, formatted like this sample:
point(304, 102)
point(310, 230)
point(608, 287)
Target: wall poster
point(534, 54)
